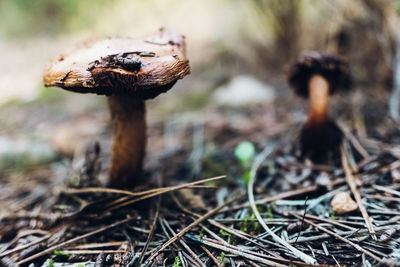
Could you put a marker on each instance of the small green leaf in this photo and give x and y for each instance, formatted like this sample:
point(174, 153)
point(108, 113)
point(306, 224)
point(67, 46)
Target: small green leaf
point(332, 215)
point(224, 233)
point(201, 235)
point(221, 257)
point(177, 262)
point(246, 177)
point(269, 212)
point(58, 252)
point(245, 152)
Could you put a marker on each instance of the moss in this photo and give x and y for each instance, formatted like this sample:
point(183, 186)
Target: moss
point(201, 234)
point(58, 252)
point(269, 212)
point(224, 233)
point(250, 225)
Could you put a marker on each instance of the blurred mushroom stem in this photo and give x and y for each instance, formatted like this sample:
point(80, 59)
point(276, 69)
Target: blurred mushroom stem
point(318, 97)
point(129, 127)
point(320, 137)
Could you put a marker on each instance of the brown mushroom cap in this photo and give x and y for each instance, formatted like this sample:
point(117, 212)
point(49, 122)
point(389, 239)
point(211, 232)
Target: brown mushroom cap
point(332, 68)
point(139, 68)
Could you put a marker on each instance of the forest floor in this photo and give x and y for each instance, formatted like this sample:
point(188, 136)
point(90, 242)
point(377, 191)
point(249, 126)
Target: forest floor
point(54, 213)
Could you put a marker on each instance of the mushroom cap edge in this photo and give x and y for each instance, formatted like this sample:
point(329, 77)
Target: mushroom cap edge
point(333, 68)
point(161, 62)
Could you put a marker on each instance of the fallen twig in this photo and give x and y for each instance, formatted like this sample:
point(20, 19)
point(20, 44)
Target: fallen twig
point(195, 258)
point(8, 252)
point(88, 190)
point(257, 162)
point(52, 248)
point(354, 141)
point(387, 190)
point(340, 238)
point(352, 184)
point(302, 221)
point(190, 226)
point(151, 233)
point(237, 251)
point(283, 195)
point(211, 256)
point(90, 251)
point(125, 201)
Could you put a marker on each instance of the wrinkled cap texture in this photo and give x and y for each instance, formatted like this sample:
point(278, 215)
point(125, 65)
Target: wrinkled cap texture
point(333, 68)
point(142, 68)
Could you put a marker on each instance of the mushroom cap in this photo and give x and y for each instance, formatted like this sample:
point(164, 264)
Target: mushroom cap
point(141, 68)
point(332, 68)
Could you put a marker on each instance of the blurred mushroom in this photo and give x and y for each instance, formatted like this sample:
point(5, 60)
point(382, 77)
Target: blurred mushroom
point(128, 72)
point(316, 76)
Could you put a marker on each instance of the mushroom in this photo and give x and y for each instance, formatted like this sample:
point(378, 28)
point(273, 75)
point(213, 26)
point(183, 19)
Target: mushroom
point(316, 76)
point(128, 72)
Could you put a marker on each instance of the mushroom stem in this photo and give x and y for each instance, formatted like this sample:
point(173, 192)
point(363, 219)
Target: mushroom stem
point(129, 126)
point(318, 88)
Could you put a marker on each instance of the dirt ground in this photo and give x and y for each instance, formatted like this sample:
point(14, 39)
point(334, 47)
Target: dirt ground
point(42, 210)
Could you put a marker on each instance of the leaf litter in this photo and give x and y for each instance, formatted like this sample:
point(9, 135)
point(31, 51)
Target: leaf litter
point(156, 226)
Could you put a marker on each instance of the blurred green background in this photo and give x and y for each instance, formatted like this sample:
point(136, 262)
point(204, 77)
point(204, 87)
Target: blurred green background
point(257, 36)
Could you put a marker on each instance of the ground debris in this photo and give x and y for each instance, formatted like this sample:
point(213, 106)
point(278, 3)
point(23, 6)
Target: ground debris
point(156, 226)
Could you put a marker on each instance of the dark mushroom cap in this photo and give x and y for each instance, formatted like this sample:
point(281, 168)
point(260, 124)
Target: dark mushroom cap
point(139, 68)
point(333, 68)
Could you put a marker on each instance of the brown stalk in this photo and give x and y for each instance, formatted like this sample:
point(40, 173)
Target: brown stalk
point(129, 126)
point(318, 100)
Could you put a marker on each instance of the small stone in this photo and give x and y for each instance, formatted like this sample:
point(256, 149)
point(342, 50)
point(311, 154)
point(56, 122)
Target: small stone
point(343, 203)
point(244, 90)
